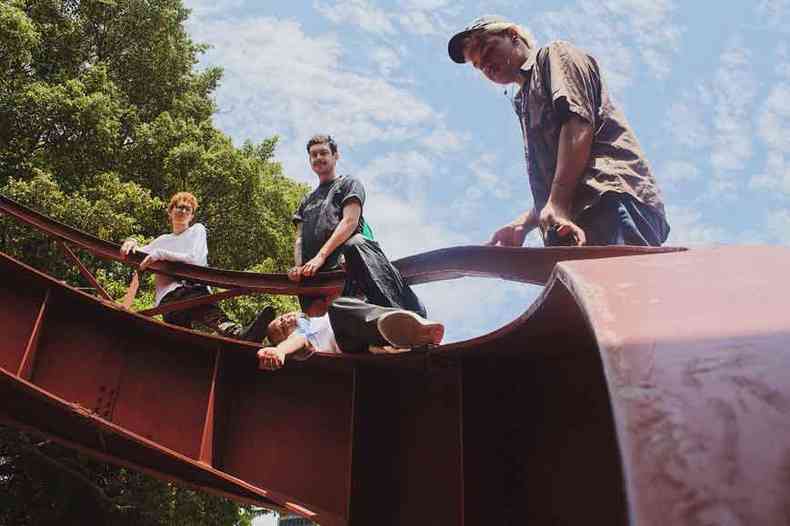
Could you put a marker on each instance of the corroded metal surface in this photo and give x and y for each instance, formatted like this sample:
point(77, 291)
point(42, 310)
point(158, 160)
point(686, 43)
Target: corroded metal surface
point(696, 349)
point(649, 387)
point(527, 265)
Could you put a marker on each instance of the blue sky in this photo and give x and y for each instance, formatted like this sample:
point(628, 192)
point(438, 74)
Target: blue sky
point(705, 84)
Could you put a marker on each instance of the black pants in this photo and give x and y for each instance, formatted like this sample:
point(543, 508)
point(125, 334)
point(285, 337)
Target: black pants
point(355, 324)
point(371, 276)
point(209, 315)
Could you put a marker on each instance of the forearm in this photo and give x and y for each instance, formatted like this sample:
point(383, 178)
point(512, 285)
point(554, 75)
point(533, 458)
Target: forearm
point(298, 259)
point(344, 230)
point(293, 343)
point(131, 292)
point(160, 254)
point(573, 155)
point(528, 219)
point(298, 251)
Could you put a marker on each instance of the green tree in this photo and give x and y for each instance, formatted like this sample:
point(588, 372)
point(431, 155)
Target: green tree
point(103, 116)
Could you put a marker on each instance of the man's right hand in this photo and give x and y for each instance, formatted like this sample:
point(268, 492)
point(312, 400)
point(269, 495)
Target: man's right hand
point(130, 245)
point(295, 274)
point(271, 358)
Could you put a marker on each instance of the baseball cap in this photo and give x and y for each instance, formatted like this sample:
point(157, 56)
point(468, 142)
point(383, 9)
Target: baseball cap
point(456, 45)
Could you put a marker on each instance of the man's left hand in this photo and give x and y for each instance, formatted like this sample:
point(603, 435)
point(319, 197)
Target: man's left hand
point(554, 216)
point(312, 267)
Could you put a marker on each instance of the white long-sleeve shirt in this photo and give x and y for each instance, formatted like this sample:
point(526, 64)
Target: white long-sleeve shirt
point(189, 246)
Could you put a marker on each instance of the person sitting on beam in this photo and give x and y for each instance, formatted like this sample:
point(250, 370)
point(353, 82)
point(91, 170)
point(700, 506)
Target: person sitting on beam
point(187, 244)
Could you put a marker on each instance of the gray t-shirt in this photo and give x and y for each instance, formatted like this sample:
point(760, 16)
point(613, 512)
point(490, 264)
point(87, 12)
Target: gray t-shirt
point(321, 211)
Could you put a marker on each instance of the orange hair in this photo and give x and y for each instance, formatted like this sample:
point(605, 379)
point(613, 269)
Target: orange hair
point(183, 196)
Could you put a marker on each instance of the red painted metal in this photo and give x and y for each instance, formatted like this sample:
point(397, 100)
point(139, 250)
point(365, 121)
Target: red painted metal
point(648, 389)
point(26, 364)
point(84, 271)
point(194, 302)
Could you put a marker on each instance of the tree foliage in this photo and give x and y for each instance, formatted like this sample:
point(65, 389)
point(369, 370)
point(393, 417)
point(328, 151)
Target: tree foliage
point(103, 116)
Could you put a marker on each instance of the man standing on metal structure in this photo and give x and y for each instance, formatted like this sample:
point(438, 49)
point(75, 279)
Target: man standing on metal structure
point(330, 228)
point(590, 181)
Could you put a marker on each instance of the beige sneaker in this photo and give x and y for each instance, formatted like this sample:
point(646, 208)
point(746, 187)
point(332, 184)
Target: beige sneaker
point(387, 349)
point(403, 328)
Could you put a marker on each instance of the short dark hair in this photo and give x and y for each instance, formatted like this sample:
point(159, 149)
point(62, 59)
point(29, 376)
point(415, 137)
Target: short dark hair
point(322, 139)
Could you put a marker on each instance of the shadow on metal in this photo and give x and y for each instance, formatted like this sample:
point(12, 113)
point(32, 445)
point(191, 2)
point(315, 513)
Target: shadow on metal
point(649, 387)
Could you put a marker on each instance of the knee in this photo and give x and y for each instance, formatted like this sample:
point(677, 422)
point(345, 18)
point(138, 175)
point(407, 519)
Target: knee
point(353, 243)
point(344, 304)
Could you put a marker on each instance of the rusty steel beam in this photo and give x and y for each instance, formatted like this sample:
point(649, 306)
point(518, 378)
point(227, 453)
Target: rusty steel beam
point(84, 271)
point(649, 389)
point(527, 265)
point(623, 379)
point(194, 302)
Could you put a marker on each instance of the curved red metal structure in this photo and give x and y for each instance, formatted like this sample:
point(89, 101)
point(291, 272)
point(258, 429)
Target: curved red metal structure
point(644, 386)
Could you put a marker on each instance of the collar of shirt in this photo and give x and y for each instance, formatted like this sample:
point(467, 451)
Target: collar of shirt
point(526, 67)
point(526, 71)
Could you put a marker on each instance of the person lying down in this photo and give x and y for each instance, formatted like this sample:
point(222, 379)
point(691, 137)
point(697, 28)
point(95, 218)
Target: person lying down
point(348, 325)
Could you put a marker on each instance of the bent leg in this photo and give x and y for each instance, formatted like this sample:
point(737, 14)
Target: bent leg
point(355, 324)
point(359, 325)
point(178, 317)
point(210, 316)
point(371, 274)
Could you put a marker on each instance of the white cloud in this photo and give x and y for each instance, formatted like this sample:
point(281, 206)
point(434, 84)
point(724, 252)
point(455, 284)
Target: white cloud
point(280, 80)
point(489, 181)
point(619, 33)
point(774, 130)
point(402, 172)
point(734, 90)
point(776, 13)
point(442, 140)
point(387, 59)
point(718, 115)
point(204, 8)
point(774, 121)
point(675, 174)
point(419, 17)
point(686, 124)
point(357, 12)
point(425, 5)
point(688, 228)
point(778, 226)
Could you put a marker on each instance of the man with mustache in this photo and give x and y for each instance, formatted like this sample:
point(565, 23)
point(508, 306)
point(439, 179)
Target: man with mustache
point(331, 230)
point(590, 181)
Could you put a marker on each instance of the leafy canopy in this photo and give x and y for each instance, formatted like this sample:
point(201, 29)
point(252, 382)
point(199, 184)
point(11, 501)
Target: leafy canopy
point(103, 116)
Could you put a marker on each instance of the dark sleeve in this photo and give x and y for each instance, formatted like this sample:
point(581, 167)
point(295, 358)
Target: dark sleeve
point(573, 82)
point(297, 217)
point(352, 189)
